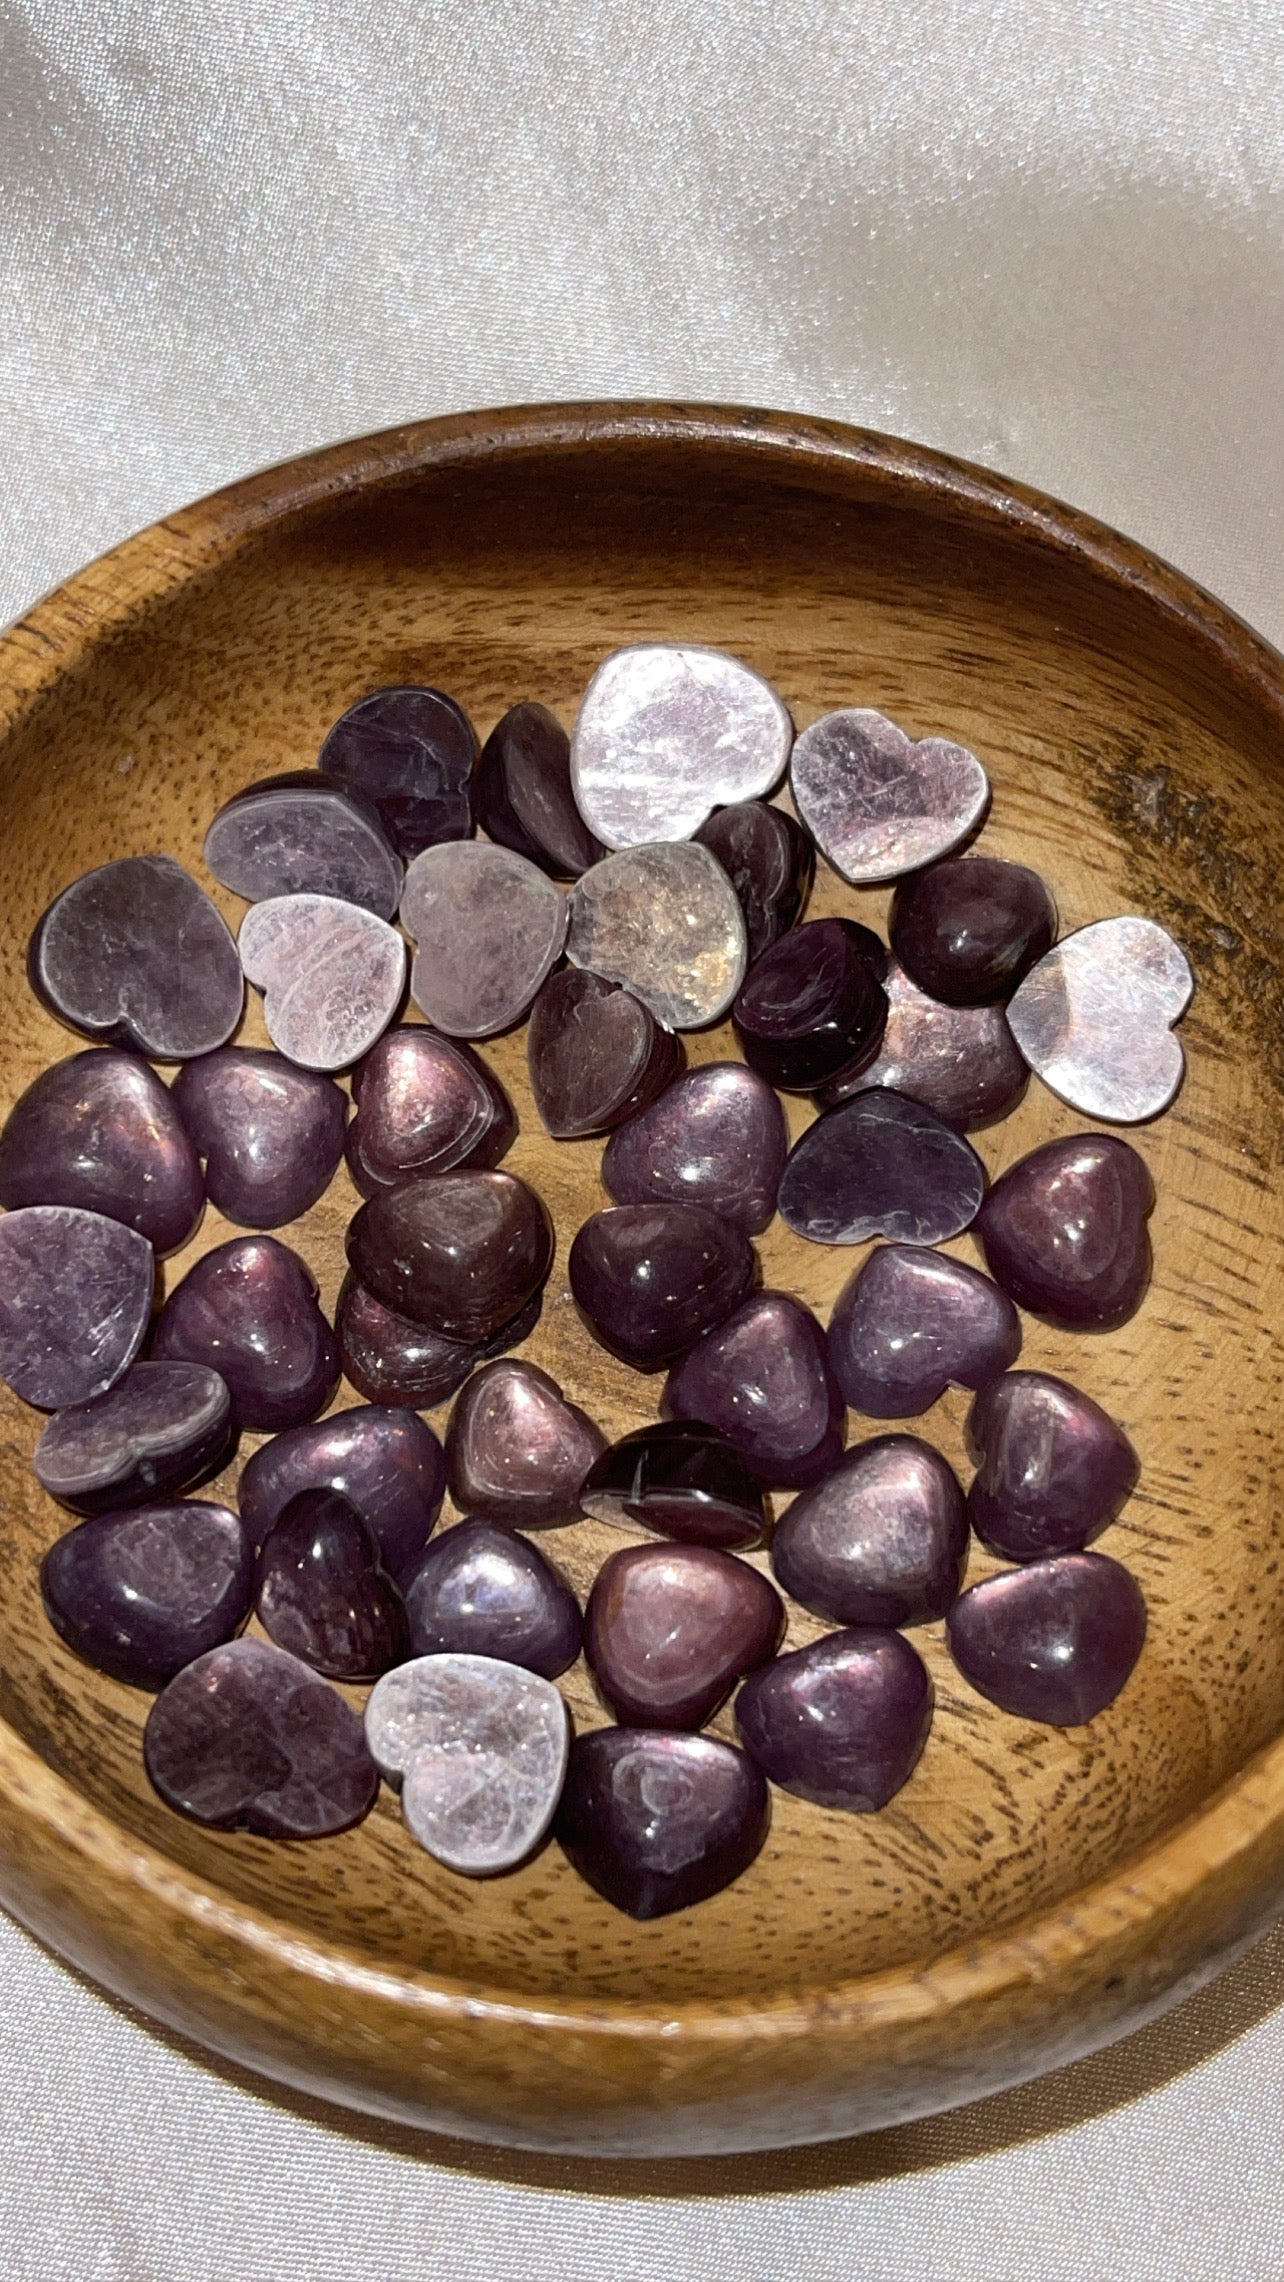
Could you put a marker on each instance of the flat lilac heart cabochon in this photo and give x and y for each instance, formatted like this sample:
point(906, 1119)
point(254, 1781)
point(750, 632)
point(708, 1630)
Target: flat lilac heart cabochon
point(1095, 1017)
point(667, 733)
point(877, 804)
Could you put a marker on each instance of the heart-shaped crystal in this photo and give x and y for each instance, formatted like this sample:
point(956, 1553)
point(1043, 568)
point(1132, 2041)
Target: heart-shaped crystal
point(876, 803)
point(489, 926)
point(1095, 1017)
point(666, 922)
point(331, 974)
point(666, 733)
point(136, 954)
point(481, 1749)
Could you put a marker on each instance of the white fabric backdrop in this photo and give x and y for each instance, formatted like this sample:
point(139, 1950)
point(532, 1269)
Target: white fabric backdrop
point(1047, 234)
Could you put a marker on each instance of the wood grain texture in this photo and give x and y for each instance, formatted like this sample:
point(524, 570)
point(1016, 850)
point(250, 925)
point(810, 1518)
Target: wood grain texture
point(1030, 1893)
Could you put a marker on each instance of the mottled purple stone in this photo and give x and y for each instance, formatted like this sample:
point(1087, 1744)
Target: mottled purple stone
point(270, 1134)
point(489, 929)
point(1064, 1232)
point(389, 1359)
point(681, 1480)
point(249, 1310)
point(881, 1165)
point(517, 1451)
point(101, 1131)
point(304, 834)
point(883, 1541)
point(595, 1054)
point(247, 1738)
point(135, 954)
point(75, 1301)
point(812, 1008)
point(655, 1823)
point(425, 1104)
point(140, 1593)
point(481, 1590)
point(770, 863)
point(910, 1323)
point(323, 1593)
point(649, 1278)
point(715, 1137)
point(961, 1061)
point(523, 793)
point(411, 751)
point(386, 1462)
point(762, 1378)
point(841, 1722)
point(164, 1427)
point(669, 1629)
point(461, 1253)
point(967, 930)
point(1053, 1467)
point(1054, 1641)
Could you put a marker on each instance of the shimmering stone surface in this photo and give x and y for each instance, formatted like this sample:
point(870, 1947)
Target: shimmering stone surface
point(595, 1054)
point(681, 1480)
point(881, 1165)
point(1064, 1232)
point(489, 926)
point(770, 863)
point(1052, 1467)
point(141, 1593)
point(100, 1131)
point(425, 1104)
point(271, 1135)
point(389, 1359)
point(1094, 1019)
point(715, 1137)
point(518, 1452)
point(841, 1722)
point(459, 1252)
point(1055, 1641)
point(247, 1738)
point(162, 1428)
point(883, 1541)
point(877, 804)
point(649, 1278)
point(655, 1823)
point(304, 834)
point(75, 1298)
point(249, 1311)
point(812, 1008)
point(411, 751)
point(481, 1590)
point(386, 1462)
point(669, 1629)
point(961, 1061)
point(331, 975)
point(666, 733)
point(967, 930)
point(911, 1323)
point(136, 954)
point(762, 1378)
point(524, 797)
point(664, 921)
point(323, 1593)
point(480, 1749)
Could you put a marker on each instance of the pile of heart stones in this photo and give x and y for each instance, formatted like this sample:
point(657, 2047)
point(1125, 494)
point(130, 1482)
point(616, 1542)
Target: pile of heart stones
point(686, 904)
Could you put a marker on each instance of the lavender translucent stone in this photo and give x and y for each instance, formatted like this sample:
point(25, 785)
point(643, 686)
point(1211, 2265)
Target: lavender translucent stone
point(249, 1311)
point(75, 1298)
point(518, 1452)
point(966, 931)
point(664, 921)
point(770, 863)
point(300, 834)
point(911, 1323)
point(961, 1061)
point(668, 731)
point(669, 1629)
point(136, 954)
point(247, 1738)
point(162, 1428)
point(489, 927)
point(681, 1480)
point(812, 1008)
point(877, 803)
point(1052, 1642)
point(100, 1131)
point(411, 751)
point(716, 1137)
point(484, 1591)
point(141, 1593)
point(883, 1541)
point(389, 1359)
point(270, 1134)
point(425, 1104)
point(323, 1593)
point(881, 1165)
point(1064, 1232)
point(386, 1462)
point(332, 976)
point(762, 1378)
point(841, 1722)
point(1095, 1019)
point(595, 1054)
point(478, 1749)
point(649, 1278)
point(524, 797)
point(460, 1253)
point(1053, 1467)
point(655, 1823)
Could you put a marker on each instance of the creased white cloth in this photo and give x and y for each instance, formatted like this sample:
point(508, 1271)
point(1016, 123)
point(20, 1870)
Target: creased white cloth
point(1046, 234)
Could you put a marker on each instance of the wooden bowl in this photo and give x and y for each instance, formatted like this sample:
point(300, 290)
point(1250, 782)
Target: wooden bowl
point(1031, 1892)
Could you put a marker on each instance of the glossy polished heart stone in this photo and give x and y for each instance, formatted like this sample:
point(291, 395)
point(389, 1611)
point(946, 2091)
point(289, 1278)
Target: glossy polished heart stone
point(410, 750)
point(322, 1592)
point(459, 1252)
point(763, 1380)
point(961, 1061)
point(666, 733)
point(75, 1300)
point(655, 1823)
point(1053, 1468)
point(1064, 1232)
point(669, 1629)
point(248, 1738)
point(482, 1590)
point(479, 1748)
point(649, 1278)
point(681, 1480)
point(967, 930)
point(881, 1165)
point(304, 834)
point(425, 1104)
point(517, 1451)
point(1054, 1641)
point(770, 863)
point(270, 1135)
point(389, 1359)
point(911, 1323)
point(882, 1541)
point(141, 1593)
point(162, 1428)
point(386, 1462)
point(1094, 1019)
point(716, 1137)
point(665, 921)
point(595, 1054)
point(488, 927)
point(877, 804)
point(135, 954)
point(248, 1310)
point(841, 1722)
point(101, 1131)
point(812, 1008)
point(524, 797)
point(332, 976)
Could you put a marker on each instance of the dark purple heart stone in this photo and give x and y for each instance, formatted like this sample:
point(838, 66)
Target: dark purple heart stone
point(770, 863)
point(1064, 1232)
point(141, 1593)
point(425, 1104)
point(247, 1738)
point(716, 1137)
point(100, 1131)
point(136, 954)
point(518, 1452)
point(411, 751)
point(75, 1301)
point(1053, 1468)
point(961, 1061)
point(387, 1463)
point(249, 1310)
point(523, 793)
point(841, 1722)
point(1053, 1642)
point(461, 1253)
point(911, 1323)
point(162, 1428)
point(813, 1008)
point(681, 1480)
point(655, 1823)
point(323, 1593)
point(270, 1134)
point(967, 930)
point(480, 1590)
point(883, 1541)
point(595, 1054)
point(305, 834)
point(389, 1359)
point(762, 1378)
point(881, 1165)
point(649, 1278)
point(669, 1629)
